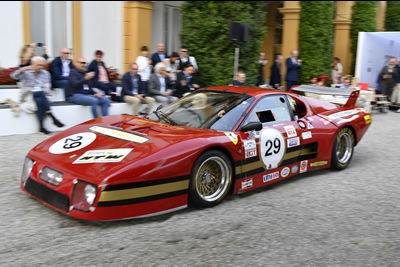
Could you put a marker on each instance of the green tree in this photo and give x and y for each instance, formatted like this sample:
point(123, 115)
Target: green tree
point(392, 21)
point(364, 14)
point(315, 38)
point(205, 31)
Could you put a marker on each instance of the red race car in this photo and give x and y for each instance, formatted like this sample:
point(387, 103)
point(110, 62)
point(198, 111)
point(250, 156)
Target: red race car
point(195, 150)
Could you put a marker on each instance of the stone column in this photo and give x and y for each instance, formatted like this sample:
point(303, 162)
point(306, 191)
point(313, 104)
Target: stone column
point(380, 16)
point(290, 32)
point(342, 40)
point(77, 29)
point(137, 29)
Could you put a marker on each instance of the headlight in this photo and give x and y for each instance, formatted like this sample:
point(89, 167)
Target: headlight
point(83, 196)
point(51, 176)
point(26, 170)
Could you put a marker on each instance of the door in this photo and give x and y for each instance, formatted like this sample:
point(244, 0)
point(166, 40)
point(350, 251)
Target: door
point(277, 150)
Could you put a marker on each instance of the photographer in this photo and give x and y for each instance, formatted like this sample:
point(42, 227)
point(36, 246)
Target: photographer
point(28, 52)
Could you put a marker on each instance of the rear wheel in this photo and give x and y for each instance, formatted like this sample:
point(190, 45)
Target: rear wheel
point(211, 179)
point(343, 148)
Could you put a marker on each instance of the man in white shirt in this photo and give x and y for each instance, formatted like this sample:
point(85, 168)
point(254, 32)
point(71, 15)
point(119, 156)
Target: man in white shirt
point(144, 65)
point(185, 59)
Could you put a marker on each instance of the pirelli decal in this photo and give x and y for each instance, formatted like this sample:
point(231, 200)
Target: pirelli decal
point(254, 166)
point(133, 193)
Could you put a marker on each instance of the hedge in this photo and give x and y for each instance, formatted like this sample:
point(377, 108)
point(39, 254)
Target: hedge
point(205, 31)
point(315, 38)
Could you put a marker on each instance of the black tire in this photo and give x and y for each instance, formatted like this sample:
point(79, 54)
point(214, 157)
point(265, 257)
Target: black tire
point(210, 179)
point(343, 149)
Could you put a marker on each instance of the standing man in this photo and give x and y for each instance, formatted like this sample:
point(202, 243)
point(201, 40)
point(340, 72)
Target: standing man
point(261, 63)
point(133, 90)
point(293, 65)
point(159, 56)
point(339, 67)
point(388, 78)
point(185, 59)
point(80, 88)
point(60, 68)
point(276, 72)
point(240, 79)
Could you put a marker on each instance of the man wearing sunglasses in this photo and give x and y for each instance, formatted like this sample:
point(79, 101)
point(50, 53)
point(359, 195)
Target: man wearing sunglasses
point(60, 68)
point(81, 92)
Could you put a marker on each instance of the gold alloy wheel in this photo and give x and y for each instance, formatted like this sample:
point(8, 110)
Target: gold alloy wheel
point(212, 179)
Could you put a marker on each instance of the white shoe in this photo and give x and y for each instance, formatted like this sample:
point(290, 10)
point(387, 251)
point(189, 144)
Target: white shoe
point(398, 111)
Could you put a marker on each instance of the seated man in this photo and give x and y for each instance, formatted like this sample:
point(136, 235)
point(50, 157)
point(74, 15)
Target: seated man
point(159, 86)
point(100, 78)
point(240, 79)
point(36, 81)
point(133, 91)
point(60, 68)
point(185, 81)
point(346, 83)
point(81, 91)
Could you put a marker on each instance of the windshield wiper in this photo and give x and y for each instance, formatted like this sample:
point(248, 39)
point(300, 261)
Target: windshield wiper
point(162, 116)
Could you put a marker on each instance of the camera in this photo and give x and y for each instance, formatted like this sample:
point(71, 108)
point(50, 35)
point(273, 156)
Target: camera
point(40, 44)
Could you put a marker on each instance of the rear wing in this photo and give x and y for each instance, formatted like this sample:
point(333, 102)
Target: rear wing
point(341, 96)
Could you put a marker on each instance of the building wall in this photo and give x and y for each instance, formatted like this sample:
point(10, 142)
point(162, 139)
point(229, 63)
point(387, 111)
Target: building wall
point(11, 33)
point(101, 29)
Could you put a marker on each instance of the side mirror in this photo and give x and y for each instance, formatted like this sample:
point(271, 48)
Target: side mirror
point(257, 126)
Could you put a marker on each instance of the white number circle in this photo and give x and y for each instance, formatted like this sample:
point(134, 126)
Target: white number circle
point(272, 147)
point(72, 143)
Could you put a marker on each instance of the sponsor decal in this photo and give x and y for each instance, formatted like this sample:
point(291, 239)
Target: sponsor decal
point(233, 137)
point(72, 143)
point(251, 153)
point(295, 168)
point(309, 126)
point(347, 120)
point(293, 142)
point(306, 135)
point(302, 125)
point(247, 183)
point(119, 134)
point(272, 147)
point(303, 166)
point(367, 119)
point(291, 131)
point(318, 163)
point(341, 114)
point(285, 172)
point(270, 176)
point(249, 145)
point(103, 156)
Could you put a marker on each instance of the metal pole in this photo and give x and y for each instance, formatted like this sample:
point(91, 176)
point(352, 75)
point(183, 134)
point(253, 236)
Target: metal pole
point(236, 65)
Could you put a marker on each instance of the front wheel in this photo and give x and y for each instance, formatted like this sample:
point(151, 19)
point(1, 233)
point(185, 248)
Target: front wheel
point(210, 179)
point(343, 148)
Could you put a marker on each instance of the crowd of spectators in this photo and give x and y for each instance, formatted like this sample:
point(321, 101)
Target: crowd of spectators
point(159, 78)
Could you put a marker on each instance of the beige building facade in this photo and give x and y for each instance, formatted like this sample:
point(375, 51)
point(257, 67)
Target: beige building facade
point(129, 25)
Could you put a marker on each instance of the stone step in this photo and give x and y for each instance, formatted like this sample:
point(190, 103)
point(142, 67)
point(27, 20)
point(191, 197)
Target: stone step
point(68, 113)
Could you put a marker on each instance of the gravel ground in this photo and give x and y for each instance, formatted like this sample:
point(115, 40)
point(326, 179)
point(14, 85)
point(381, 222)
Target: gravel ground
point(322, 218)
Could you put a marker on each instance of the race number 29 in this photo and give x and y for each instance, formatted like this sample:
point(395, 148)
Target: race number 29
point(272, 147)
point(72, 143)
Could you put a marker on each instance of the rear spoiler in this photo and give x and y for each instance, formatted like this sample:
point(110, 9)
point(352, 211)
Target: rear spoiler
point(329, 91)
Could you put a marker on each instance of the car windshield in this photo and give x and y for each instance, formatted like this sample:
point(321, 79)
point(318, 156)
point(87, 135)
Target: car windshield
point(206, 109)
